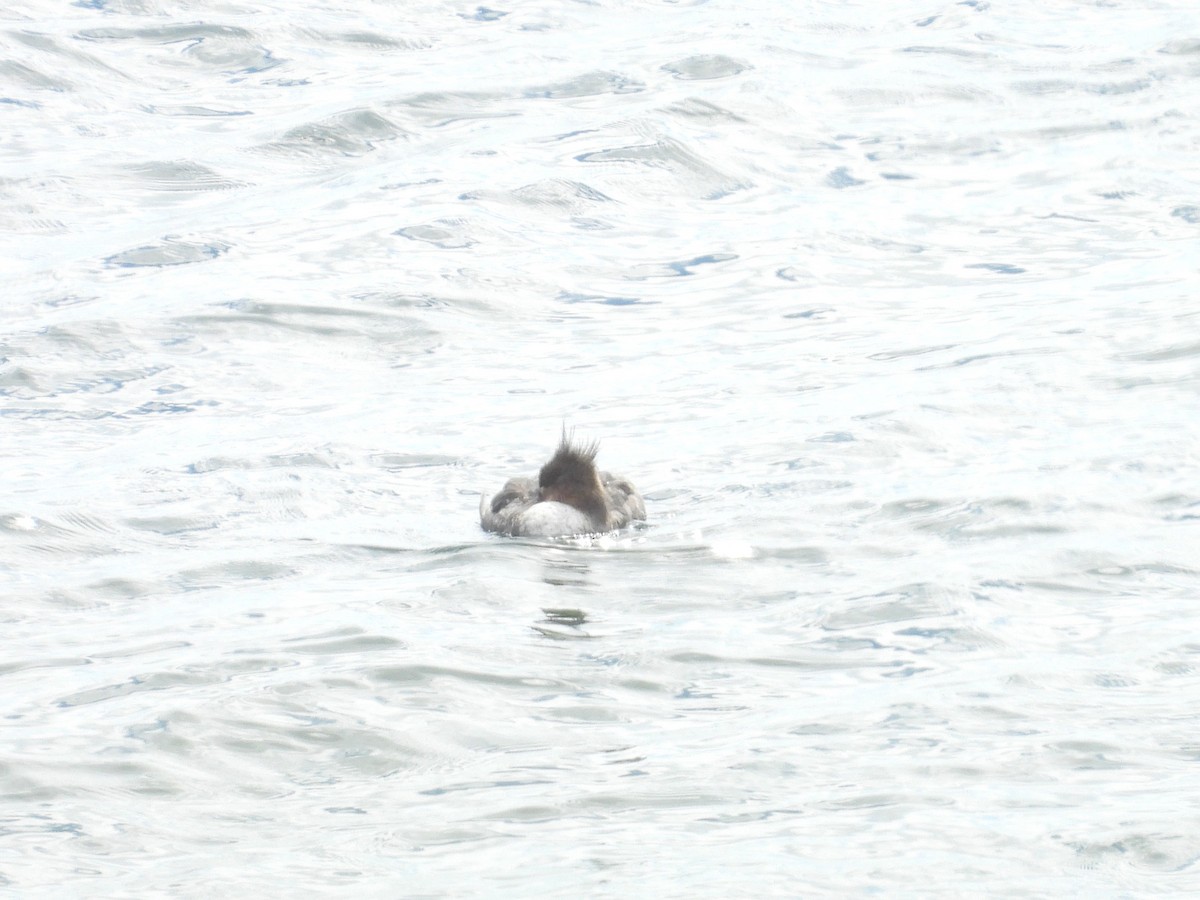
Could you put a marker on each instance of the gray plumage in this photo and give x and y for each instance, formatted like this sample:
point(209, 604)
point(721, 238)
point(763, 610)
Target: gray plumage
point(569, 496)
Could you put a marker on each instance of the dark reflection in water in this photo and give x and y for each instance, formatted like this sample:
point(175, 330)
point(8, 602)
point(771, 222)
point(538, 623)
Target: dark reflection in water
point(570, 572)
point(562, 624)
point(567, 571)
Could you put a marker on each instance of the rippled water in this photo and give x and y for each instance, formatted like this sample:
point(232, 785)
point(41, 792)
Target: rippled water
point(890, 311)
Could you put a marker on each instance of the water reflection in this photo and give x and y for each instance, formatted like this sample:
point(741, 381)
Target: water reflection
point(563, 624)
point(567, 571)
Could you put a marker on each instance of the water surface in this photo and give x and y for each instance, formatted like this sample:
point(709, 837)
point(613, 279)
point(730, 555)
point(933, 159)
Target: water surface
point(890, 313)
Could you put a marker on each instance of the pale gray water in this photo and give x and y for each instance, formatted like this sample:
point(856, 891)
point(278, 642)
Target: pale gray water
point(890, 311)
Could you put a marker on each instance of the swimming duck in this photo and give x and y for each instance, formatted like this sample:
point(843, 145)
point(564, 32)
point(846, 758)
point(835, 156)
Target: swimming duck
point(569, 497)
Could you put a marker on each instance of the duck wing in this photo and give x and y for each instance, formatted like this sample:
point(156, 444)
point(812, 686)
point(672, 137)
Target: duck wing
point(501, 513)
point(624, 502)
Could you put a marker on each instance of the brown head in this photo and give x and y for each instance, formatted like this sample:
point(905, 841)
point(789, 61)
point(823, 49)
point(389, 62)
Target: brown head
point(571, 478)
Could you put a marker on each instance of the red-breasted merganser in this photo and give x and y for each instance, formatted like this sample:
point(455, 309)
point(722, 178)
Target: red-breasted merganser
point(569, 497)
